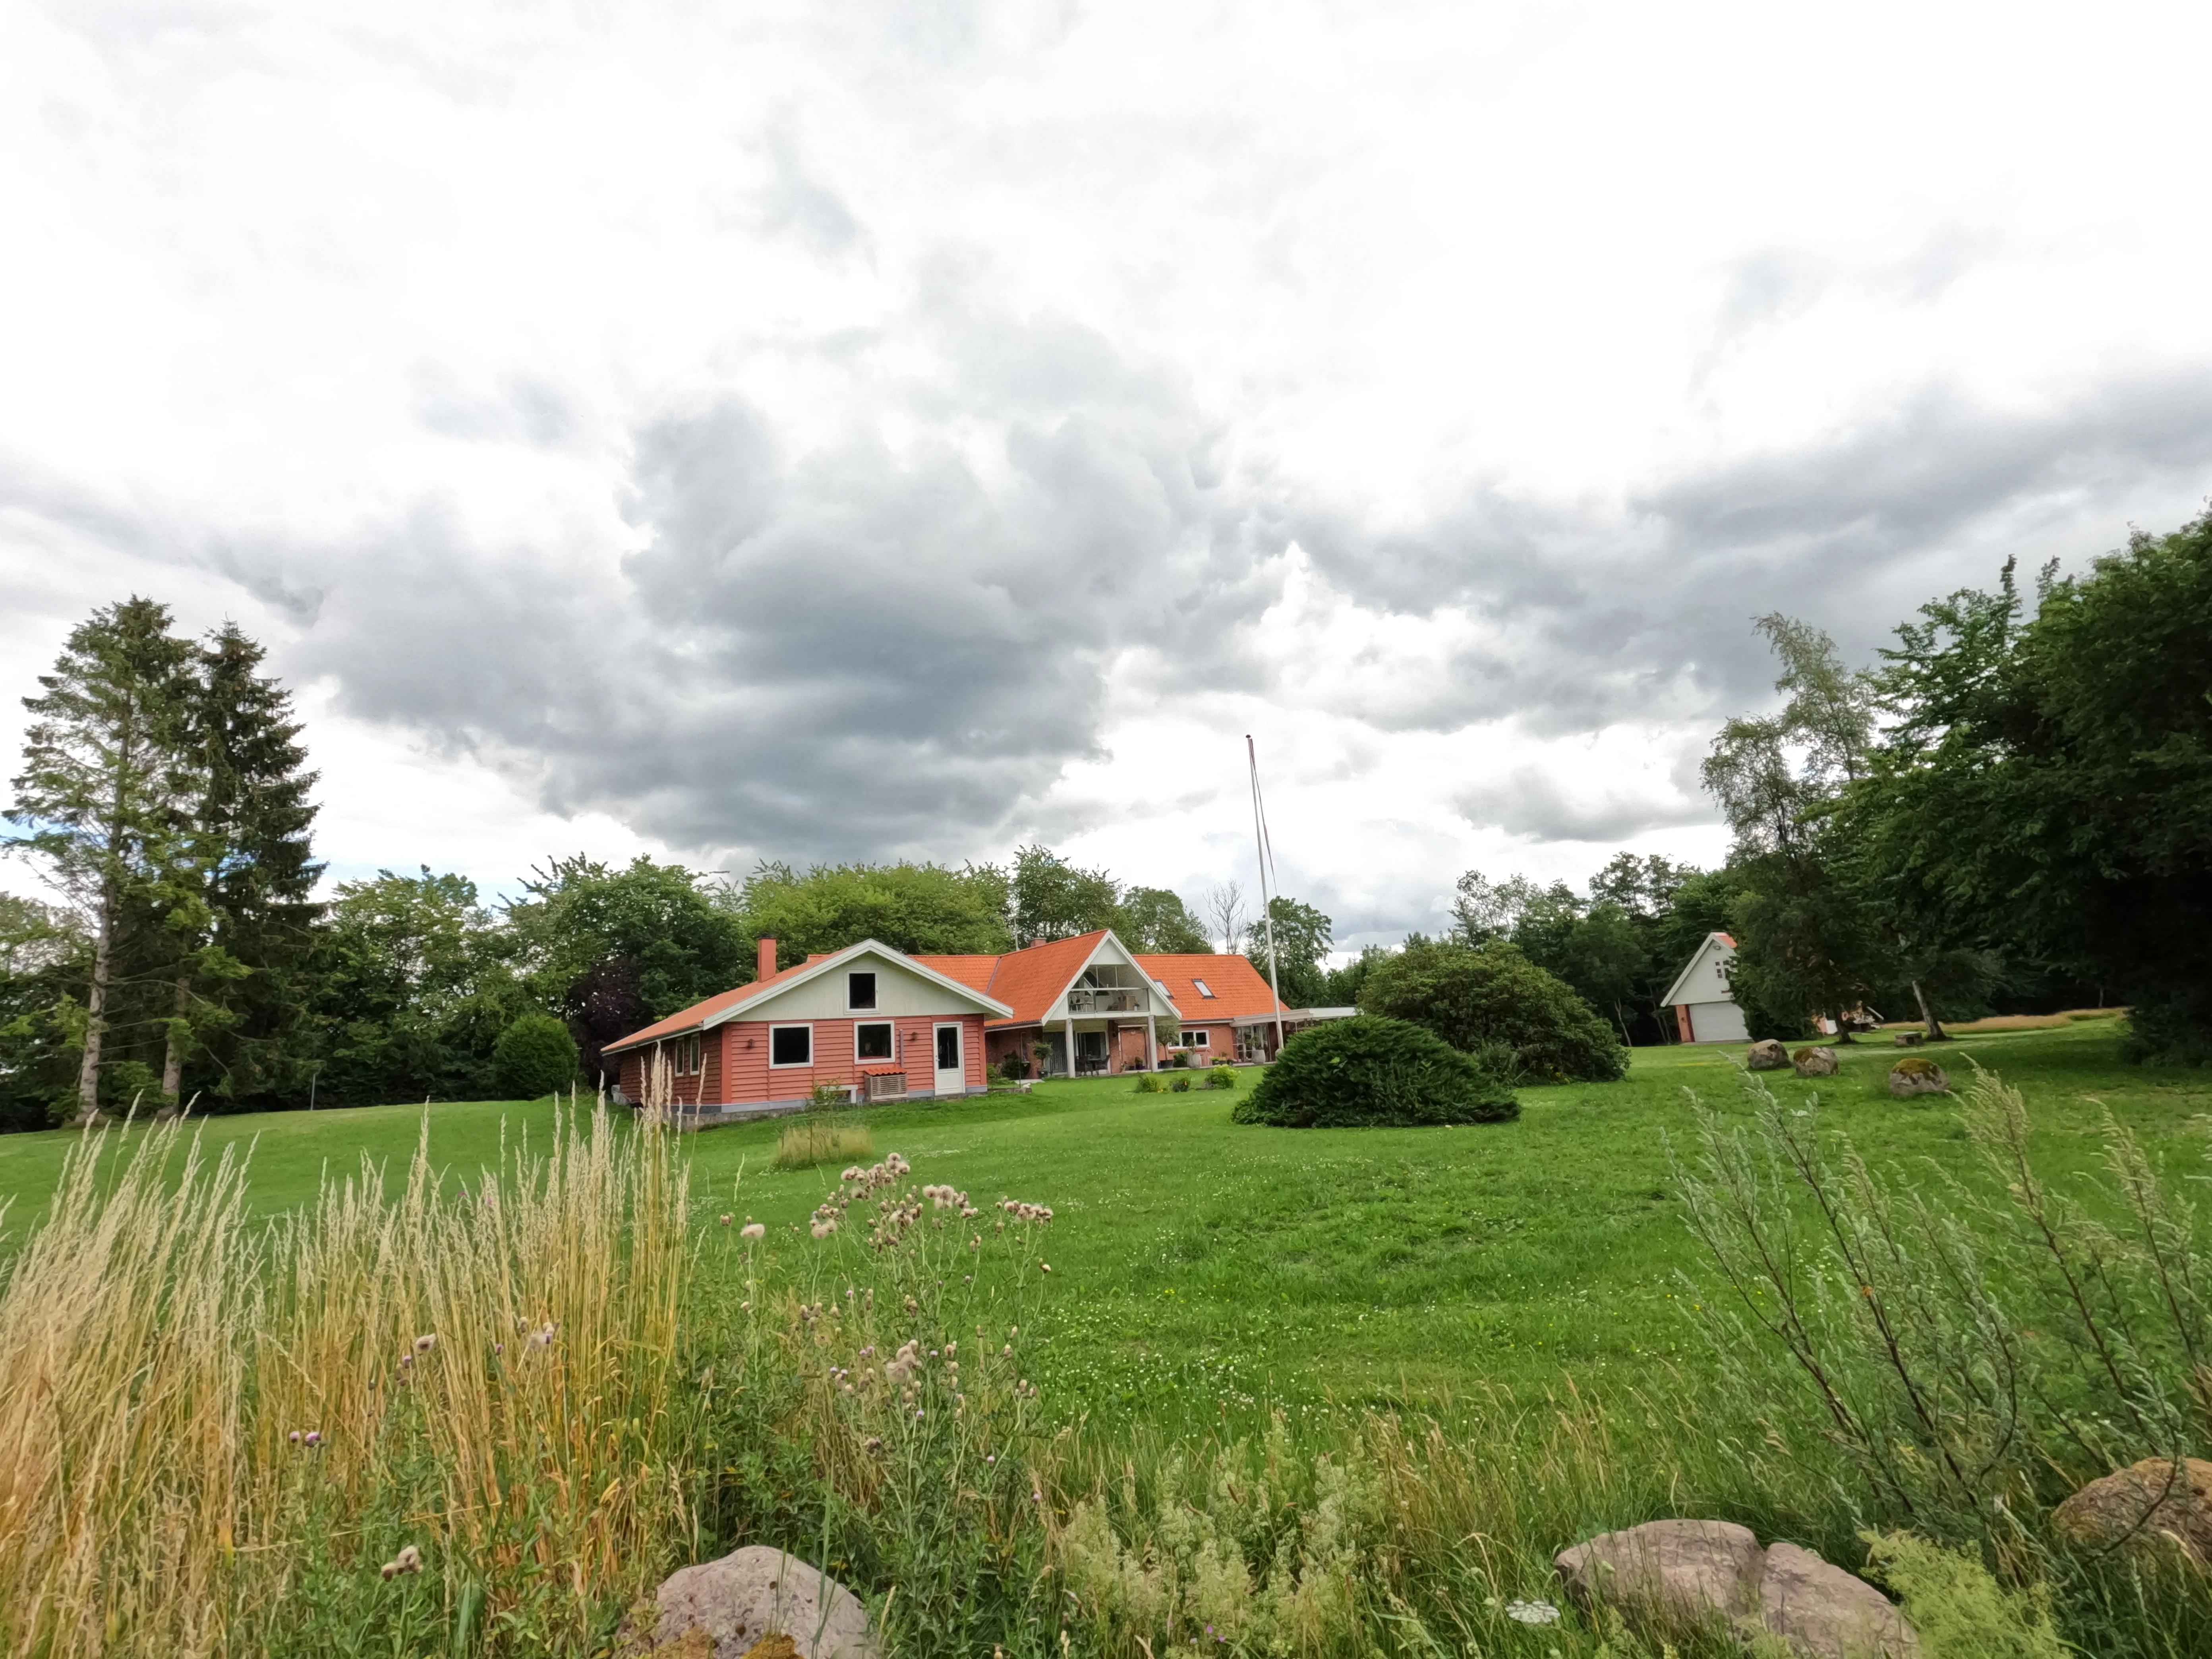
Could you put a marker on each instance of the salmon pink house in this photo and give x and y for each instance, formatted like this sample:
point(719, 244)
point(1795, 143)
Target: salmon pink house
point(867, 1018)
point(878, 1024)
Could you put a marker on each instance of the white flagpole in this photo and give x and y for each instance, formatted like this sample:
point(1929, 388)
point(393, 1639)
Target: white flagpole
point(1266, 908)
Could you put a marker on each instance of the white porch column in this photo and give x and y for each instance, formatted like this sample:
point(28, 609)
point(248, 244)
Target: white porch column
point(1151, 1042)
point(1071, 1042)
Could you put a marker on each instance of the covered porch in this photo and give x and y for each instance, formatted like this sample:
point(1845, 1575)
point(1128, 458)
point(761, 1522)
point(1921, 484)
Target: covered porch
point(1080, 1046)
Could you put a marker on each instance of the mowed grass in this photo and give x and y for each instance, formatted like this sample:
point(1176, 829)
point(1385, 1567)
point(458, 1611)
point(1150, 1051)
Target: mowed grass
point(1204, 1270)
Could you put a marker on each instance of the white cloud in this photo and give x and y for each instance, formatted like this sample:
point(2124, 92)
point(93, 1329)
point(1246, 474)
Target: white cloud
point(812, 432)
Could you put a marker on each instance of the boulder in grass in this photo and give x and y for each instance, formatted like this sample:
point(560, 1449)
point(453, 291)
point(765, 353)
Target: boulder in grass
point(1815, 1061)
point(756, 1598)
point(1677, 1578)
point(2160, 1505)
point(1821, 1610)
point(1916, 1074)
point(1767, 1055)
point(1909, 1039)
point(1671, 1577)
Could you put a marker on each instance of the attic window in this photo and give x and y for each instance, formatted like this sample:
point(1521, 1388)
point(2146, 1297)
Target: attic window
point(1204, 989)
point(859, 990)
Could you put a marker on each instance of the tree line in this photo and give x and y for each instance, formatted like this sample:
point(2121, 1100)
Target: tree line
point(2010, 810)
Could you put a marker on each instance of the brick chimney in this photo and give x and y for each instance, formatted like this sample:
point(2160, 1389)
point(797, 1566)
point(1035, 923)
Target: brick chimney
point(767, 965)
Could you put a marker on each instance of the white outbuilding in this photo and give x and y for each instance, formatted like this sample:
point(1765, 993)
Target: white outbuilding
point(1704, 1008)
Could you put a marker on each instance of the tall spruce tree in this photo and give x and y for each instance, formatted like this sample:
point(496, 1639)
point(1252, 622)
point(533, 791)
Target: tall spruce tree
point(104, 794)
point(246, 933)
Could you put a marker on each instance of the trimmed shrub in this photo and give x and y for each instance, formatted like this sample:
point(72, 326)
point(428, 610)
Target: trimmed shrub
point(534, 1056)
point(1221, 1077)
point(1367, 1070)
point(1492, 994)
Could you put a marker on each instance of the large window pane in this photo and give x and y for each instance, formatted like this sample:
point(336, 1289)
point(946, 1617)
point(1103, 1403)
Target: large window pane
point(791, 1045)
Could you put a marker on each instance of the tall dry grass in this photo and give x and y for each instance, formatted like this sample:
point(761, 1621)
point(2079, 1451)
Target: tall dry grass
point(214, 1429)
point(812, 1141)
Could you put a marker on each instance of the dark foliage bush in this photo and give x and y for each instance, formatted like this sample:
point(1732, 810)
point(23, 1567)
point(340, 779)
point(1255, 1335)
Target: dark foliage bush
point(1368, 1069)
point(1474, 996)
point(534, 1056)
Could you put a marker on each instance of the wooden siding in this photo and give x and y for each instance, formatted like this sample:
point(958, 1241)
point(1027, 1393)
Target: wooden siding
point(745, 1044)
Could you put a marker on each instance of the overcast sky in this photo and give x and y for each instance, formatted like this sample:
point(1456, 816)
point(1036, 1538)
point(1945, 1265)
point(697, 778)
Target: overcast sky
point(848, 431)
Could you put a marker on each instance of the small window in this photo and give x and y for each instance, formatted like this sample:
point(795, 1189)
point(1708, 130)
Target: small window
point(1204, 989)
point(1198, 1039)
point(791, 1045)
point(872, 1041)
point(859, 990)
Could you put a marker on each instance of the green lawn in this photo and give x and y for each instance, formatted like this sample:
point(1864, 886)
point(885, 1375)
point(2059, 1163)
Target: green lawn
point(1201, 1266)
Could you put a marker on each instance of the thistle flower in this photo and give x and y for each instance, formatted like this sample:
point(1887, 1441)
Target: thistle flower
point(824, 1229)
point(314, 1437)
point(295, 1437)
point(753, 1230)
point(425, 1343)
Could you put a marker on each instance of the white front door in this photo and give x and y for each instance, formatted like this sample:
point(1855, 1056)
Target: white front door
point(951, 1067)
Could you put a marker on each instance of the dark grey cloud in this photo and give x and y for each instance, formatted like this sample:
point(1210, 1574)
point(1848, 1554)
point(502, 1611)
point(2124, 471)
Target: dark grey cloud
point(840, 648)
point(1530, 801)
point(1594, 611)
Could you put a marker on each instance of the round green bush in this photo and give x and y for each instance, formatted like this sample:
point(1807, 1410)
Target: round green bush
point(534, 1056)
point(1368, 1069)
point(1490, 999)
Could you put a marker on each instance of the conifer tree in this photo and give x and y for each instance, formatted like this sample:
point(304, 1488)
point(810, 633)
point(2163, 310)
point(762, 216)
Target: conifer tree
point(246, 931)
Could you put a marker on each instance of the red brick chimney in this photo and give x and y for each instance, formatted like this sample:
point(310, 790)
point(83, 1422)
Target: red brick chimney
point(767, 966)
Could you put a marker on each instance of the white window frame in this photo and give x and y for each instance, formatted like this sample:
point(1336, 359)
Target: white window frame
point(776, 1064)
point(888, 1055)
point(1198, 1039)
point(876, 1003)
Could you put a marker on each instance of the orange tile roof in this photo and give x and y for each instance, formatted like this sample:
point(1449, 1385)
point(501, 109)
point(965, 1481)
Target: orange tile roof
point(1030, 982)
point(1239, 988)
point(691, 1018)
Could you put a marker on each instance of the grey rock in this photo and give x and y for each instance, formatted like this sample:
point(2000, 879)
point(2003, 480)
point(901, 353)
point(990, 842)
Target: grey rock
point(1909, 1039)
point(1767, 1055)
point(1824, 1612)
point(745, 1595)
point(1815, 1061)
point(1916, 1075)
point(1672, 1578)
point(1672, 1575)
